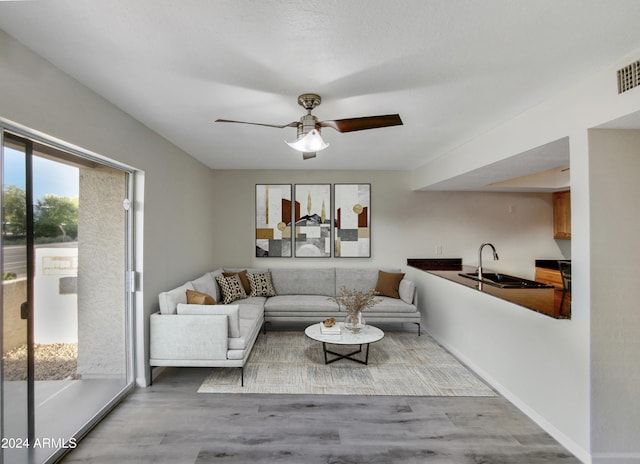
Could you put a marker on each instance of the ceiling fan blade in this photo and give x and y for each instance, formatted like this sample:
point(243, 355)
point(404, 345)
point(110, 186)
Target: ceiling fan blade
point(306, 156)
point(366, 122)
point(291, 124)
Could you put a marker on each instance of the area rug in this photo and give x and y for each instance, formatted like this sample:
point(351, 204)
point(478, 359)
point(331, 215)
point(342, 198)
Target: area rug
point(401, 363)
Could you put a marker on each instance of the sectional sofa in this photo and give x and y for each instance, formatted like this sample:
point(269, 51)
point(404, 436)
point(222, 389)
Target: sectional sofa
point(221, 335)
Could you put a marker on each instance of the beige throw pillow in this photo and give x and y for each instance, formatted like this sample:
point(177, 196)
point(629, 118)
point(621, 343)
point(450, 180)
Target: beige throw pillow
point(200, 298)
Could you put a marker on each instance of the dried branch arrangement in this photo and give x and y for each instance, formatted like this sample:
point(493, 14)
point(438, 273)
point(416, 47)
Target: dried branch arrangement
point(355, 301)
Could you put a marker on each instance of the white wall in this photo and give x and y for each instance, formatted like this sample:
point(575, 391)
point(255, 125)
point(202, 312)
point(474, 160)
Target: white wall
point(614, 157)
point(405, 224)
point(585, 105)
point(177, 188)
point(535, 361)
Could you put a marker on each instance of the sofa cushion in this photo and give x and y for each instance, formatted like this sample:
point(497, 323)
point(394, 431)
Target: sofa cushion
point(304, 281)
point(169, 300)
point(243, 278)
point(252, 270)
point(240, 342)
point(231, 288)
point(250, 311)
point(362, 279)
point(252, 300)
point(301, 303)
point(406, 290)
point(390, 305)
point(194, 297)
point(261, 284)
point(389, 283)
point(217, 294)
point(231, 311)
point(206, 284)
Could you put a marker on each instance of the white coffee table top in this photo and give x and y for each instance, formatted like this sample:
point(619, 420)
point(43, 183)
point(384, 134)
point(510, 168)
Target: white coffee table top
point(368, 334)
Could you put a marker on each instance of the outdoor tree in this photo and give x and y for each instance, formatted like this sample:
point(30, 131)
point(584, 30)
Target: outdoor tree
point(15, 211)
point(56, 216)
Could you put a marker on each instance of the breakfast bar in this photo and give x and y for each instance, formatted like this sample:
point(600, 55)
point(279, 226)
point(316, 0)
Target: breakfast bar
point(547, 301)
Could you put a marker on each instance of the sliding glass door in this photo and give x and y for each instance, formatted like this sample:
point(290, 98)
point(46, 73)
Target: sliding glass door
point(66, 305)
point(17, 387)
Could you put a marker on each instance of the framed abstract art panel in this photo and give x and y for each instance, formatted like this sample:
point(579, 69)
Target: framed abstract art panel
point(352, 220)
point(273, 220)
point(312, 218)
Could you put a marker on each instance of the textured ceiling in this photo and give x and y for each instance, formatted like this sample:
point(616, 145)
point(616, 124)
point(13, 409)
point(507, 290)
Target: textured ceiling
point(452, 69)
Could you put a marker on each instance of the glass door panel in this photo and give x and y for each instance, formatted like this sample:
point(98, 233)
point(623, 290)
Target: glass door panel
point(80, 298)
point(15, 347)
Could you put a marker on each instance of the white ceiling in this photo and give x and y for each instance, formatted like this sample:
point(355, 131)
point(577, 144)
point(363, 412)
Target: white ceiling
point(452, 69)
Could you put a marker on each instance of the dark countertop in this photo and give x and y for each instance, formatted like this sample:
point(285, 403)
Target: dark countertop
point(542, 300)
point(549, 263)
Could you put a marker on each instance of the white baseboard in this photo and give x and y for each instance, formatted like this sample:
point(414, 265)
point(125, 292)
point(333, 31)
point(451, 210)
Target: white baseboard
point(615, 458)
point(563, 439)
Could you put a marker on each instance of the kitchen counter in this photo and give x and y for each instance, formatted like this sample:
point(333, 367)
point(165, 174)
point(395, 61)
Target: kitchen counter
point(547, 301)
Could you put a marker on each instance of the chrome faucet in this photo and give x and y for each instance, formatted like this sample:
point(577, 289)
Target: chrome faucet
point(495, 257)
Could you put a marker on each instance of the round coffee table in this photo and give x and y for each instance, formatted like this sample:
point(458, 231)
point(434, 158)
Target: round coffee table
point(369, 334)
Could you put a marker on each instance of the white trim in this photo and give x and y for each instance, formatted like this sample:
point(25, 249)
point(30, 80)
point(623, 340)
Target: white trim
point(55, 142)
point(615, 458)
point(563, 439)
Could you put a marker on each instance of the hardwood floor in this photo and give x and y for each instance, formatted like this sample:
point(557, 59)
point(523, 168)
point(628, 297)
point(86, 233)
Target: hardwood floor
point(171, 423)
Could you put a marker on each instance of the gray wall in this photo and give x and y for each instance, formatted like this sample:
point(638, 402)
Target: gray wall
point(404, 223)
point(177, 189)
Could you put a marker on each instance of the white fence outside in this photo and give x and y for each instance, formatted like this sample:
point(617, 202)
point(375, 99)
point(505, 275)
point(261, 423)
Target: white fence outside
point(56, 295)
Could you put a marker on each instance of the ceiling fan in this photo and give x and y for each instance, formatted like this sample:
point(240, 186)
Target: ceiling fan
point(309, 140)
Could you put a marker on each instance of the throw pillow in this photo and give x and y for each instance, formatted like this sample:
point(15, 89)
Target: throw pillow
point(169, 300)
point(261, 284)
point(207, 284)
point(243, 279)
point(199, 298)
point(231, 287)
point(406, 290)
point(388, 283)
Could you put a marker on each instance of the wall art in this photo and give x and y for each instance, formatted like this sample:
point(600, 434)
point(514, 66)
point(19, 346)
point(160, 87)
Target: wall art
point(312, 218)
point(273, 220)
point(352, 220)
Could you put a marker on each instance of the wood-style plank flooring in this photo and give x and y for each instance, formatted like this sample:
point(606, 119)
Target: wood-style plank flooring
point(171, 423)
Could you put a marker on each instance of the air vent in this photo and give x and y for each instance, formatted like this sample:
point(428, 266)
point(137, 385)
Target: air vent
point(629, 77)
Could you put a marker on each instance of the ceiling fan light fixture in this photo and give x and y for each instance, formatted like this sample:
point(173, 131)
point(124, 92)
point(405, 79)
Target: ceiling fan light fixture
point(310, 143)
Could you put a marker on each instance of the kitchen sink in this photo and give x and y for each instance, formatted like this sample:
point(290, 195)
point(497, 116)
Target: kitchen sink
point(504, 280)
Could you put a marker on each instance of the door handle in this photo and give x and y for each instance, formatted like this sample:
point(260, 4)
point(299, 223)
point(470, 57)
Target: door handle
point(24, 310)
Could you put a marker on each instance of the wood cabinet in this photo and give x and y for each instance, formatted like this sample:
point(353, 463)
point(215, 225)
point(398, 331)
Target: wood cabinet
point(562, 215)
point(549, 276)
